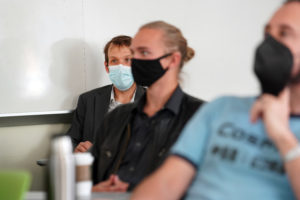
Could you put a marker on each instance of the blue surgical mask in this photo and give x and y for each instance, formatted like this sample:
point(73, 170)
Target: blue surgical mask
point(121, 76)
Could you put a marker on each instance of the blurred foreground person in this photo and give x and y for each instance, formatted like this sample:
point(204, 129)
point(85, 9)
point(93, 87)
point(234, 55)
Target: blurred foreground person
point(243, 148)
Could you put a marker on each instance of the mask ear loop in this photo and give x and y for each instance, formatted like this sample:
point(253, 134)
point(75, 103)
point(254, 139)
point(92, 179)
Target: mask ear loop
point(164, 56)
point(295, 79)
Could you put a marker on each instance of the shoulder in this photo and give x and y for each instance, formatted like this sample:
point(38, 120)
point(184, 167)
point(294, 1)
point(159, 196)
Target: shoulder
point(94, 92)
point(122, 111)
point(227, 104)
point(192, 103)
point(193, 100)
point(230, 101)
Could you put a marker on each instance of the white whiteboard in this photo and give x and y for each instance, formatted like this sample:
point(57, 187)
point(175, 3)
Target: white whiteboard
point(51, 50)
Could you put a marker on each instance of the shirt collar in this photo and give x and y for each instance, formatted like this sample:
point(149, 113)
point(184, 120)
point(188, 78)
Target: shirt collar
point(173, 104)
point(112, 96)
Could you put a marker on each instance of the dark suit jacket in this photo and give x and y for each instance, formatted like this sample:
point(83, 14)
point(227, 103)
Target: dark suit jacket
point(91, 108)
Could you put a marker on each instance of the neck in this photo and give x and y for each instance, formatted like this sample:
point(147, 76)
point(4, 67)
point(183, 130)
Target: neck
point(158, 94)
point(124, 96)
point(295, 99)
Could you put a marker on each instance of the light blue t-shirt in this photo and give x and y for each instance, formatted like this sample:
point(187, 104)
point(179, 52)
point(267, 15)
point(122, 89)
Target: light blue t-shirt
point(234, 158)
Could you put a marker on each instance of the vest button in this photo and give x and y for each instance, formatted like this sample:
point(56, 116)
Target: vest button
point(161, 153)
point(108, 154)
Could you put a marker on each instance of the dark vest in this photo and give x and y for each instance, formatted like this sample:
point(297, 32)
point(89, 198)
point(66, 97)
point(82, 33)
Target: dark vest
point(114, 134)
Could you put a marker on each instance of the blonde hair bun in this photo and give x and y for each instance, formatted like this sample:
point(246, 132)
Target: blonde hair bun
point(189, 54)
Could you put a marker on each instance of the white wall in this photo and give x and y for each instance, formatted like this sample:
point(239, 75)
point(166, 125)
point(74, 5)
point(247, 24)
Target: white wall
point(41, 55)
point(51, 50)
point(224, 35)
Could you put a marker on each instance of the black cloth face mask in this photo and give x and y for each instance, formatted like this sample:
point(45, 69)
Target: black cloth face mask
point(146, 72)
point(273, 66)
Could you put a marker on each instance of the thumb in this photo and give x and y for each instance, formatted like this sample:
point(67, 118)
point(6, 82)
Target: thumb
point(119, 182)
point(256, 111)
point(112, 178)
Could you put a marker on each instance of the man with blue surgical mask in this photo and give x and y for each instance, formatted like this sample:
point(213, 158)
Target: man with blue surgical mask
point(93, 105)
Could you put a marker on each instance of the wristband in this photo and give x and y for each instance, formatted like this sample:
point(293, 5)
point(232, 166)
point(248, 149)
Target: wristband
point(292, 154)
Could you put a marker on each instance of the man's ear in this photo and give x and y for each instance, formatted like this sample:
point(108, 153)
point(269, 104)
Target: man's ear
point(106, 67)
point(175, 59)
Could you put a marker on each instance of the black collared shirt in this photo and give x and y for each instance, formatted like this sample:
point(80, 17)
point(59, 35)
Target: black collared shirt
point(139, 154)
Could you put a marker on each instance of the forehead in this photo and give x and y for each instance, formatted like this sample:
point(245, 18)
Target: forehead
point(288, 14)
point(114, 50)
point(150, 38)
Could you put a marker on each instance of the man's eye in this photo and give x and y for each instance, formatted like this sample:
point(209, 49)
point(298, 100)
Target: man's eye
point(145, 53)
point(283, 33)
point(113, 61)
point(127, 60)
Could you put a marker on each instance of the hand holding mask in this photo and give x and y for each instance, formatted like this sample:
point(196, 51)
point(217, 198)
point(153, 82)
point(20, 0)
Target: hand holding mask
point(273, 66)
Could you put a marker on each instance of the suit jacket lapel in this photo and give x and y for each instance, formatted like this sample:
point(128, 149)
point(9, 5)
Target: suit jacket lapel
point(102, 101)
point(139, 92)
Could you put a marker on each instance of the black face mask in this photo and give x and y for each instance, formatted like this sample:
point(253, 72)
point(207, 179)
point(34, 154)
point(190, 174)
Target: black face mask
point(273, 66)
point(146, 72)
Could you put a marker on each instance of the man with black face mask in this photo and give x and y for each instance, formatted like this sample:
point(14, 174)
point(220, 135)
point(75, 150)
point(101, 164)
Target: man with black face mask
point(135, 138)
point(243, 148)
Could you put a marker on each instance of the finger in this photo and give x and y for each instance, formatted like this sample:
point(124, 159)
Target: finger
point(83, 146)
point(109, 181)
point(256, 111)
point(124, 187)
point(79, 149)
point(117, 188)
point(96, 188)
point(105, 188)
point(121, 184)
point(87, 145)
point(117, 179)
point(113, 184)
point(100, 188)
point(76, 150)
point(112, 178)
point(103, 185)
